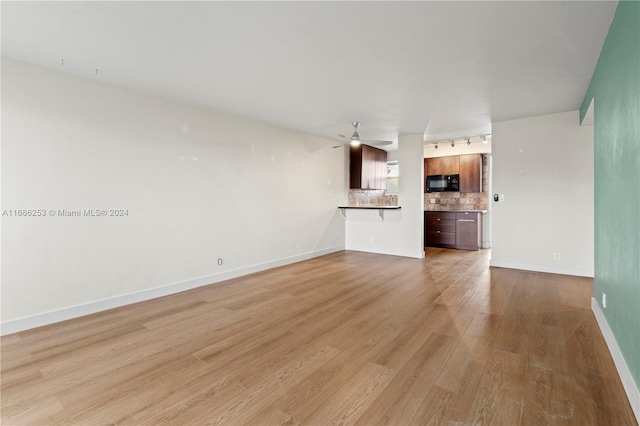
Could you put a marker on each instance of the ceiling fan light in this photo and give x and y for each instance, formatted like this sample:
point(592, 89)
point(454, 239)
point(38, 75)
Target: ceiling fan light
point(354, 142)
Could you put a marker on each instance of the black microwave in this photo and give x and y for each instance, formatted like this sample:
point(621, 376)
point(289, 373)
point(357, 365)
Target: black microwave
point(442, 183)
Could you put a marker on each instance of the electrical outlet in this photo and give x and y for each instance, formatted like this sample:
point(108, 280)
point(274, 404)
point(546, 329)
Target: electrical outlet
point(370, 240)
point(220, 261)
point(604, 300)
point(556, 256)
point(501, 197)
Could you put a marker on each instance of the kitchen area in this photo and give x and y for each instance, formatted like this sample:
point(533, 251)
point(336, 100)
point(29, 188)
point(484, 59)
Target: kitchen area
point(401, 201)
point(456, 201)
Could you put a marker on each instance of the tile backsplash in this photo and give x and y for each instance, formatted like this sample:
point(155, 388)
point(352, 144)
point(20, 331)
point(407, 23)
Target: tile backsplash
point(456, 201)
point(432, 201)
point(371, 197)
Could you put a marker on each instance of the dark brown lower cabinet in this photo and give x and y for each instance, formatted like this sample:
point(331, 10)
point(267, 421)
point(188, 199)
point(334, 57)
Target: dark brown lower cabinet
point(440, 229)
point(460, 230)
point(468, 230)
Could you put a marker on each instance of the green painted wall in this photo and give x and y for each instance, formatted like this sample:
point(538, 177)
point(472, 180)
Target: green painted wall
point(615, 88)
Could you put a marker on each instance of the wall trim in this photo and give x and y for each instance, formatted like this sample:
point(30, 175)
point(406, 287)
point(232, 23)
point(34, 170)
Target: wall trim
point(46, 318)
point(419, 254)
point(552, 269)
point(630, 387)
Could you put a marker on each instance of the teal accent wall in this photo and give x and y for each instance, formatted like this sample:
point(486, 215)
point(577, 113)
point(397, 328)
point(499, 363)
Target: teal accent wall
point(615, 89)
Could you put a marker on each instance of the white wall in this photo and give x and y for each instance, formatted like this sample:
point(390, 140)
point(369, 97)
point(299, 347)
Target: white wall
point(401, 232)
point(198, 185)
point(544, 167)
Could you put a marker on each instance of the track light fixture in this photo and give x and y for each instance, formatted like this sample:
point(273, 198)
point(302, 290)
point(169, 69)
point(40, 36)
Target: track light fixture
point(483, 138)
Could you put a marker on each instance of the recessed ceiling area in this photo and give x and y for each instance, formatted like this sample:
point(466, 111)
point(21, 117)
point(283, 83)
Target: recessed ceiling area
point(397, 67)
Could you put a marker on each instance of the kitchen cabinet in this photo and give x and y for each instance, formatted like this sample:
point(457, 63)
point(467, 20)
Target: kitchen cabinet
point(432, 166)
point(471, 173)
point(468, 166)
point(381, 168)
point(443, 165)
point(460, 230)
point(367, 167)
point(440, 229)
point(468, 230)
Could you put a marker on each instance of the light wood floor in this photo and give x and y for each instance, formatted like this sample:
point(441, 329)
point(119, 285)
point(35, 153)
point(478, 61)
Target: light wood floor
point(342, 339)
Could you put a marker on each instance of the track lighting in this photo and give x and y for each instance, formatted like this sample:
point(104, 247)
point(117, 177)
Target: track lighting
point(452, 142)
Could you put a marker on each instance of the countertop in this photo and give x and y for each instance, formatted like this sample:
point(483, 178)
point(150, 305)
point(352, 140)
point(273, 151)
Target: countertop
point(459, 211)
point(370, 207)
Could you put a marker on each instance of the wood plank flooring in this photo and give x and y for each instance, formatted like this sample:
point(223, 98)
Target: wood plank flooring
point(347, 338)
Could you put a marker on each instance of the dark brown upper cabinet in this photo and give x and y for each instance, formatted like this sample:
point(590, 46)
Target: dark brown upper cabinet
point(468, 166)
point(443, 165)
point(367, 167)
point(471, 173)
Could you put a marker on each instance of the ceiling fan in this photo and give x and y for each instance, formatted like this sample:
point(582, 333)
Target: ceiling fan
point(355, 140)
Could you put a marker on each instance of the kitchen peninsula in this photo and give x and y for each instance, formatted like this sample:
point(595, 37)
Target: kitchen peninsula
point(381, 209)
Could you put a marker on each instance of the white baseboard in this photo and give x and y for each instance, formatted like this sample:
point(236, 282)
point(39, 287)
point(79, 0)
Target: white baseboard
point(630, 387)
point(26, 323)
point(552, 269)
point(417, 254)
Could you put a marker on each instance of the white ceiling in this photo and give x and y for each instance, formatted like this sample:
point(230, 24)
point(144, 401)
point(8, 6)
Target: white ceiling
point(446, 69)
